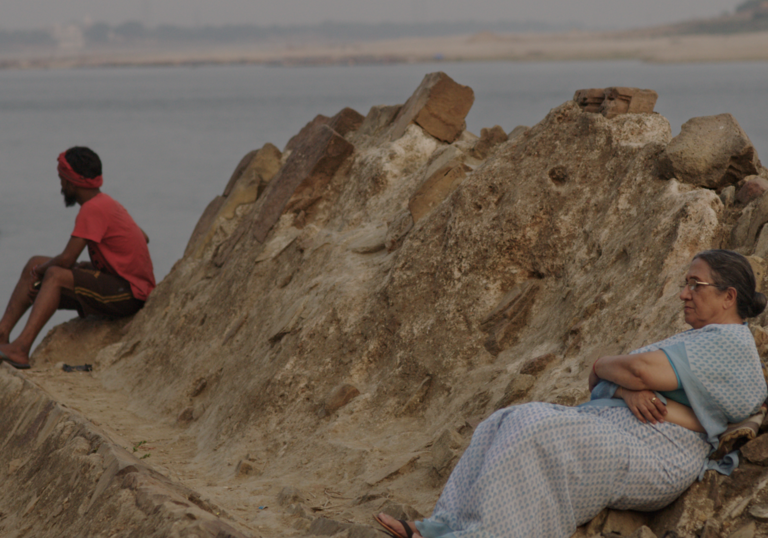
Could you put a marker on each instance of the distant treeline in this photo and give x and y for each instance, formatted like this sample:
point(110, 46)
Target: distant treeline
point(731, 26)
point(749, 16)
point(101, 33)
point(750, 5)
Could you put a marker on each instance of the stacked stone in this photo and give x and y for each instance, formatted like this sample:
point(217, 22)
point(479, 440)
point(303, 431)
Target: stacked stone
point(590, 100)
point(613, 101)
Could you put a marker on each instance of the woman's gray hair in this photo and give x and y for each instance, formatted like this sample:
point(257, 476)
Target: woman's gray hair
point(732, 270)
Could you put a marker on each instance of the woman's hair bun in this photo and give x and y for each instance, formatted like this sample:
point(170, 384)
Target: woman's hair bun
point(759, 302)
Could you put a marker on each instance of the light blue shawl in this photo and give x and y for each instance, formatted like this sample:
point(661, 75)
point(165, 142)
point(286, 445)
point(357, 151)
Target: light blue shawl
point(720, 372)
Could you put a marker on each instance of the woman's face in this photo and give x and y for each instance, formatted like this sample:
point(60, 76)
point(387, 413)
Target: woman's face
point(707, 304)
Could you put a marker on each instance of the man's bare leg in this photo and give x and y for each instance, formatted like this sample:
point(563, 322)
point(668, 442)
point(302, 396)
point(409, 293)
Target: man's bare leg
point(45, 305)
point(19, 301)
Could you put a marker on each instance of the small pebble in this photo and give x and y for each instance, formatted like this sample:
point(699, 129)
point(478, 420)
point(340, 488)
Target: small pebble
point(759, 512)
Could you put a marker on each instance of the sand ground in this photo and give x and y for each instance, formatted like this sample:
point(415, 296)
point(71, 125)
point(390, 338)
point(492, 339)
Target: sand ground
point(248, 501)
point(166, 446)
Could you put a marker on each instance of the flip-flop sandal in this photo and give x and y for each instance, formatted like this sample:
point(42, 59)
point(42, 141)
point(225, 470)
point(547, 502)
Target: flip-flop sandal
point(17, 365)
point(392, 532)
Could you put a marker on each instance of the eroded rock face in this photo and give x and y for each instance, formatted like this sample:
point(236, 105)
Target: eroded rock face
point(489, 140)
point(246, 184)
point(428, 332)
point(711, 152)
point(753, 188)
point(436, 187)
point(388, 289)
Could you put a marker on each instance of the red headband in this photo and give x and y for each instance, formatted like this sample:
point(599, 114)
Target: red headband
point(66, 172)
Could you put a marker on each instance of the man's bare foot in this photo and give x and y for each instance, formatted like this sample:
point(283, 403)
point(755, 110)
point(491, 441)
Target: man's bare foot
point(14, 356)
point(397, 527)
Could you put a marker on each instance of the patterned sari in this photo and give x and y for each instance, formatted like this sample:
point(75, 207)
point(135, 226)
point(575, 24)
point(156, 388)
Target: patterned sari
point(540, 470)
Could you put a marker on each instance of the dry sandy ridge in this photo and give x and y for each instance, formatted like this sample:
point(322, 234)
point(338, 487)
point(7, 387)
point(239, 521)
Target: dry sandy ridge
point(165, 446)
point(168, 448)
point(478, 47)
point(248, 498)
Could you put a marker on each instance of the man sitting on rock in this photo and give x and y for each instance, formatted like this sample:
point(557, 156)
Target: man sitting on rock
point(115, 283)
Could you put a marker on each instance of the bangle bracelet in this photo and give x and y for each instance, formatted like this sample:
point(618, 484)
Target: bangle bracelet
point(594, 365)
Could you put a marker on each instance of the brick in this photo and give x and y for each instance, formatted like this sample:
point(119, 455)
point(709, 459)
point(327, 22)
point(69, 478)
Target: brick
point(439, 106)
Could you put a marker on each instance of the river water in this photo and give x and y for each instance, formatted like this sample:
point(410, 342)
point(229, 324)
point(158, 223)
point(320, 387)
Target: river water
point(169, 138)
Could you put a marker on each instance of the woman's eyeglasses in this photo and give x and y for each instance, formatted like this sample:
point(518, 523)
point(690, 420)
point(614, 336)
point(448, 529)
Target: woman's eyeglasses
point(692, 284)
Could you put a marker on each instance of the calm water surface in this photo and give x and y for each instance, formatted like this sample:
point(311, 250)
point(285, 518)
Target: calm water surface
point(169, 138)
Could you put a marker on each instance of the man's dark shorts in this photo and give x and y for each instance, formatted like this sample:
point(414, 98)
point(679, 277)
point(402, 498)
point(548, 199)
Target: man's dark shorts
point(99, 293)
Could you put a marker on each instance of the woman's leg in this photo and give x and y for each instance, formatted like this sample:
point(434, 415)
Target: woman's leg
point(531, 470)
point(664, 460)
point(398, 527)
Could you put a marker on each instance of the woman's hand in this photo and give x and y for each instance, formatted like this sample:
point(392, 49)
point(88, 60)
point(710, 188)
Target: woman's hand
point(644, 404)
point(593, 380)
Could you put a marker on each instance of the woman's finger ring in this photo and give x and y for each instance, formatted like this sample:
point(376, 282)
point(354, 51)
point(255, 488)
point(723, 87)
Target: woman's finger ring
point(653, 400)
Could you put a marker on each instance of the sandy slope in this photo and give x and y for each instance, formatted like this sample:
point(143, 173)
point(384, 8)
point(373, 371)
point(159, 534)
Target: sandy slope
point(249, 497)
point(166, 446)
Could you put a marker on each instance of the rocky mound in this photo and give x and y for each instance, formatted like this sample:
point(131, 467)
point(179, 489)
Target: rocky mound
point(350, 308)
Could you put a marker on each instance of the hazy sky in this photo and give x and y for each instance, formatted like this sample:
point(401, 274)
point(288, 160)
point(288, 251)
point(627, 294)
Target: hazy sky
point(592, 13)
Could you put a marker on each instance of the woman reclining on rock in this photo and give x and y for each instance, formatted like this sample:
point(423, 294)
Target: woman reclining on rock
point(540, 470)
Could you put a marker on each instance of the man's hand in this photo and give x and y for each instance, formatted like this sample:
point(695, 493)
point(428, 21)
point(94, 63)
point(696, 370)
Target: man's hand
point(36, 282)
point(33, 290)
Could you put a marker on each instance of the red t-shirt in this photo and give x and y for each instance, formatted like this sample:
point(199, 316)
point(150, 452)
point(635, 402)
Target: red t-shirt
point(115, 243)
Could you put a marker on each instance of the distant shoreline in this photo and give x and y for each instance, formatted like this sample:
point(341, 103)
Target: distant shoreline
point(486, 46)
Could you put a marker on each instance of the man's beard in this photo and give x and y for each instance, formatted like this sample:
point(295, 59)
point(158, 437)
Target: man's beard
point(69, 200)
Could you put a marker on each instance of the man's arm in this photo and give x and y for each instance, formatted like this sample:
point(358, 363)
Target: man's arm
point(66, 259)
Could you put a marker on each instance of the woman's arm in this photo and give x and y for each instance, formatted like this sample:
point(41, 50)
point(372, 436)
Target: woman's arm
point(682, 415)
point(642, 371)
point(637, 376)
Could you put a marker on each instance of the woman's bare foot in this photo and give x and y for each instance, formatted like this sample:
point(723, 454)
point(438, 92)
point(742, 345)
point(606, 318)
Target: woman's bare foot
point(397, 527)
